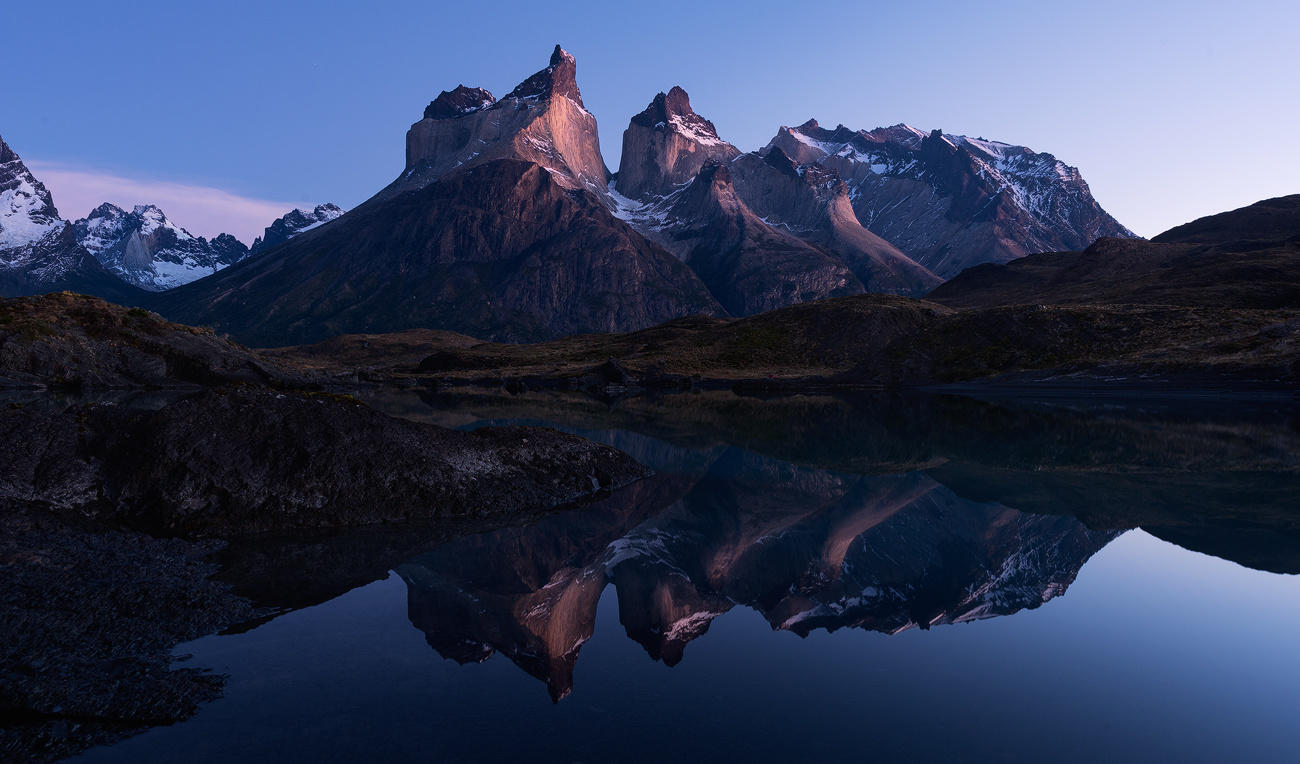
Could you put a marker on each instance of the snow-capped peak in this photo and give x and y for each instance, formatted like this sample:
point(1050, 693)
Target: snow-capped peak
point(27, 212)
point(152, 218)
point(294, 223)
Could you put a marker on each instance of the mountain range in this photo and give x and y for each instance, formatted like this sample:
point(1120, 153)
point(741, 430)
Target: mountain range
point(112, 253)
point(506, 223)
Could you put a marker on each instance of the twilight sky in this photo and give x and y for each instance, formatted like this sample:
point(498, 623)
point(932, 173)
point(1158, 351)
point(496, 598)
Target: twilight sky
point(227, 114)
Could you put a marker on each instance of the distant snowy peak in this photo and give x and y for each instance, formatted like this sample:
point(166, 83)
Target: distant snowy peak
point(107, 224)
point(294, 223)
point(27, 212)
point(152, 220)
point(146, 249)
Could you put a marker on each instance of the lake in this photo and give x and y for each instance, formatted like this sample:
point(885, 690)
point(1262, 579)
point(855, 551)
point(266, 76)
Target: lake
point(809, 578)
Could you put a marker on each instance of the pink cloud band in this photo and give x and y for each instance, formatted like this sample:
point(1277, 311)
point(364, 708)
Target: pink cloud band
point(201, 210)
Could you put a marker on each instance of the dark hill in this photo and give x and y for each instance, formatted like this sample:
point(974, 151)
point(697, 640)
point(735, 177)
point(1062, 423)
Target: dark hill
point(1246, 258)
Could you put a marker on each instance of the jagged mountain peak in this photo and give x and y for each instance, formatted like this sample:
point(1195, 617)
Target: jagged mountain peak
point(951, 201)
point(664, 106)
point(559, 78)
point(146, 249)
point(27, 211)
point(458, 102)
point(152, 218)
point(294, 223)
point(106, 210)
point(823, 179)
point(666, 145)
point(541, 121)
point(779, 160)
point(6, 154)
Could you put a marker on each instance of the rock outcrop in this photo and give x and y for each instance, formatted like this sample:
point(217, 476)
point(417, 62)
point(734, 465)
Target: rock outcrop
point(541, 121)
point(230, 463)
point(666, 145)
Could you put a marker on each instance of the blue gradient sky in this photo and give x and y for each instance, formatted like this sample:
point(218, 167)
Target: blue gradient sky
point(1172, 110)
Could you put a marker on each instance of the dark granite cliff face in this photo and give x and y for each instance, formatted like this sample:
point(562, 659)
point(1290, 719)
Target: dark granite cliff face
point(501, 250)
point(950, 201)
point(748, 265)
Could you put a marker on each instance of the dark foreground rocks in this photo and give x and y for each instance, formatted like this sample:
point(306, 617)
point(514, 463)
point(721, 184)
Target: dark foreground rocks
point(230, 463)
point(104, 508)
point(88, 618)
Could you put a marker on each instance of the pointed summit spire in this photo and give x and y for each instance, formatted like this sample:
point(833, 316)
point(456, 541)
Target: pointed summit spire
point(666, 145)
point(6, 154)
point(559, 78)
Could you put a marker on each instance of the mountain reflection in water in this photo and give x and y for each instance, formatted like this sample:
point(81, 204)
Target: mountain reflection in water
point(817, 512)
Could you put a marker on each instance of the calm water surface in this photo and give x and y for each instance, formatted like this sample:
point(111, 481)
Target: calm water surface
point(904, 579)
